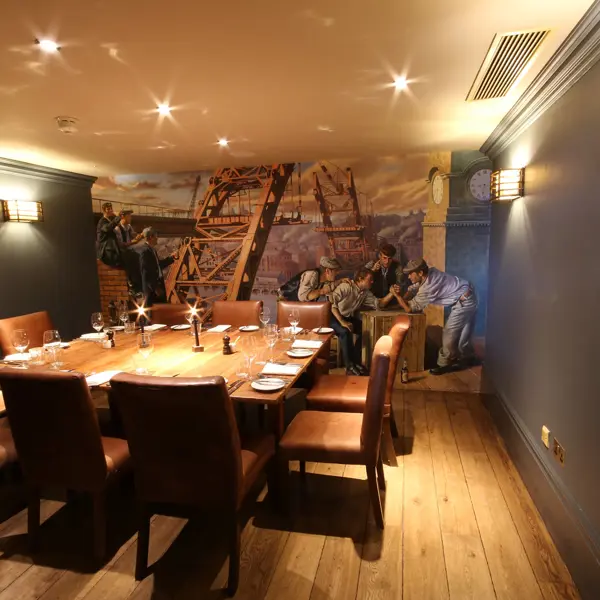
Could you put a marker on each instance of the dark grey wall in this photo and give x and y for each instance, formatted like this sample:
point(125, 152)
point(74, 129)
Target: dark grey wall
point(50, 265)
point(543, 330)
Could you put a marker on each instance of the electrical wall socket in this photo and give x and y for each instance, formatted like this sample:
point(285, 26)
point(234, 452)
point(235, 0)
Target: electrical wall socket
point(545, 436)
point(559, 452)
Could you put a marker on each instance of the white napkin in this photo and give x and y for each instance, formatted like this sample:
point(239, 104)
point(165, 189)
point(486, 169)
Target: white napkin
point(218, 329)
point(100, 378)
point(17, 357)
point(154, 327)
point(273, 369)
point(310, 344)
point(93, 337)
point(292, 330)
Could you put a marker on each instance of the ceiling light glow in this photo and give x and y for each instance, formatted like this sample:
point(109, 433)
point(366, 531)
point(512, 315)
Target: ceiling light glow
point(48, 46)
point(163, 109)
point(400, 83)
point(223, 142)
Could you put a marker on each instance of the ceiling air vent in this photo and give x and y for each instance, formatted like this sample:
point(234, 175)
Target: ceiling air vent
point(509, 56)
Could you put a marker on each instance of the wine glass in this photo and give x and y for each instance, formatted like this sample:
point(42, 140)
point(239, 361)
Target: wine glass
point(51, 338)
point(20, 340)
point(250, 351)
point(97, 321)
point(123, 313)
point(265, 315)
point(294, 319)
point(272, 335)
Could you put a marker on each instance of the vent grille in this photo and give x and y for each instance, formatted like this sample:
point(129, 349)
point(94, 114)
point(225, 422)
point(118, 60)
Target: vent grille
point(507, 60)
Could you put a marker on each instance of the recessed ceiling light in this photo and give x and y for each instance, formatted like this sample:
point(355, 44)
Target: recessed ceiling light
point(223, 142)
point(400, 83)
point(163, 109)
point(47, 46)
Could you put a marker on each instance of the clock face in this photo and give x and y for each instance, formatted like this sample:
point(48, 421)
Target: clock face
point(437, 189)
point(479, 185)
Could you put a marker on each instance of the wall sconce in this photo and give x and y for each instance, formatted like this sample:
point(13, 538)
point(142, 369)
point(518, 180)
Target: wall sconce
point(22, 211)
point(508, 184)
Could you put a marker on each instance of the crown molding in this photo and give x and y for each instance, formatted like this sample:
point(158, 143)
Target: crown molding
point(16, 167)
point(573, 59)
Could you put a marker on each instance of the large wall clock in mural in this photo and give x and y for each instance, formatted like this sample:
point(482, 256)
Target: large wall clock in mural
point(437, 187)
point(479, 185)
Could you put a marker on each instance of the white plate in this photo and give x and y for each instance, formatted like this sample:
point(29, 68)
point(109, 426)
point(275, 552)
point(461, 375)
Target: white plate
point(249, 328)
point(117, 327)
point(322, 330)
point(180, 327)
point(95, 337)
point(24, 356)
point(300, 353)
point(65, 345)
point(268, 384)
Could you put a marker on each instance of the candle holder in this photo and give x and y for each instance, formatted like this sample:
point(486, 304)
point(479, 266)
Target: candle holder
point(197, 347)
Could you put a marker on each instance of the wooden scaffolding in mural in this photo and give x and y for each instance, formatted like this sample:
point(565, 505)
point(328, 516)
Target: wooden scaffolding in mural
point(221, 262)
point(348, 232)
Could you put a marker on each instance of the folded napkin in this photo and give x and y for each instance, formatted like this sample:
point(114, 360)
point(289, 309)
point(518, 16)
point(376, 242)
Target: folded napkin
point(218, 329)
point(154, 327)
point(100, 378)
point(274, 369)
point(17, 357)
point(93, 336)
point(309, 344)
point(292, 330)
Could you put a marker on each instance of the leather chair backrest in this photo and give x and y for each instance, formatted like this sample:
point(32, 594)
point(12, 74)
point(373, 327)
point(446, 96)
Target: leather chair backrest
point(372, 422)
point(34, 324)
point(312, 314)
point(183, 439)
point(55, 428)
point(169, 314)
point(398, 334)
point(236, 312)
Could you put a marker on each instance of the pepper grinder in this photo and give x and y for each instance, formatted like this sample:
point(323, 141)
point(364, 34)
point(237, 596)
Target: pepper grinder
point(226, 347)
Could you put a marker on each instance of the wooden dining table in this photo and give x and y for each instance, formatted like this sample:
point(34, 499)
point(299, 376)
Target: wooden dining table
point(172, 356)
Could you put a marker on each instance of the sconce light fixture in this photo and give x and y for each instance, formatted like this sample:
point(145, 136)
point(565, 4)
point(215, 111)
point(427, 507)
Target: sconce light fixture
point(22, 211)
point(507, 184)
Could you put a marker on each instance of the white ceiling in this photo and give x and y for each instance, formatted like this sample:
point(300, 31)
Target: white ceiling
point(269, 75)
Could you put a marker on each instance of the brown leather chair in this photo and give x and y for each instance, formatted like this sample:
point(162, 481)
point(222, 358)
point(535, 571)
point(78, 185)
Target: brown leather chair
point(348, 393)
point(169, 314)
point(187, 452)
point(58, 441)
point(236, 313)
point(34, 324)
point(346, 438)
point(312, 315)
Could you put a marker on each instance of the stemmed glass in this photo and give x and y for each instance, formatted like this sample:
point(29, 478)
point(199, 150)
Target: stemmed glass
point(51, 338)
point(20, 341)
point(145, 347)
point(249, 350)
point(294, 319)
point(123, 313)
point(272, 335)
point(265, 315)
point(97, 321)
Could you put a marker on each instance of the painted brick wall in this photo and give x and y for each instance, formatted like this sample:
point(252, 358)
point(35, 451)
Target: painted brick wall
point(113, 286)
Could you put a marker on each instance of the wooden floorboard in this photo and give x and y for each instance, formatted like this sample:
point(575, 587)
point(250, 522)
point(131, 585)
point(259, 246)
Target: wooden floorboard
point(459, 525)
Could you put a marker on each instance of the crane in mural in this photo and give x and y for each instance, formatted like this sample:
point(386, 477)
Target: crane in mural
point(232, 226)
point(349, 233)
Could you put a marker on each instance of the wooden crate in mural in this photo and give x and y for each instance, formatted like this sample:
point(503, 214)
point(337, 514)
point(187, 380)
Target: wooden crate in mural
point(376, 323)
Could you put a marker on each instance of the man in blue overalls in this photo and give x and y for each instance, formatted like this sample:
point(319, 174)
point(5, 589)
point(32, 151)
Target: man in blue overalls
point(430, 286)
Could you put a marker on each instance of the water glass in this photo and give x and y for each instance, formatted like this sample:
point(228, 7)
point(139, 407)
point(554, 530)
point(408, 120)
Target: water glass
point(272, 336)
point(244, 369)
point(51, 338)
point(37, 356)
point(20, 340)
point(129, 327)
point(145, 344)
point(54, 356)
point(97, 321)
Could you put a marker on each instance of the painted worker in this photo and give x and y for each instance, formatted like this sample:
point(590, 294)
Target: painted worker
point(107, 245)
point(387, 271)
point(312, 284)
point(126, 236)
point(430, 286)
point(347, 300)
point(151, 268)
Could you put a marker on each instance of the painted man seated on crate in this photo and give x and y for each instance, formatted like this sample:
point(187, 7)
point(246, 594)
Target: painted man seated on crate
point(347, 300)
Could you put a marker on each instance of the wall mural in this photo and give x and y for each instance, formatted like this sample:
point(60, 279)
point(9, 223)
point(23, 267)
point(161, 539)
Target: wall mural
point(390, 202)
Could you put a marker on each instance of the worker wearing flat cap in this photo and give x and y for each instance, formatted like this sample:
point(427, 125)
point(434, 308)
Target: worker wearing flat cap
point(151, 268)
point(107, 246)
point(430, 286)
point(126, 236)
point(316, 283)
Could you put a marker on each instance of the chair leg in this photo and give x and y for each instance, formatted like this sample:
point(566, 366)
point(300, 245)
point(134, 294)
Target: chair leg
point(393, 425)
point(302, 468)
point(261, 416)
point(380, 474)
point(143, 543)
point(99, 501)
point(33, 517)
point(234, 557)
point(374, 495)
point(388, 443)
